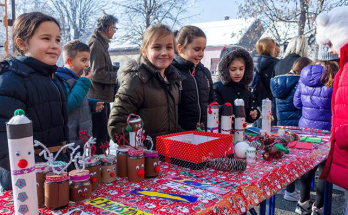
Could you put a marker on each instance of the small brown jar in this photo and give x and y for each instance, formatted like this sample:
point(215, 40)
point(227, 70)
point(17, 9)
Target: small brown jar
point(108, 168)
point(80, 186)
point(135, 165)
point(93, 166)
point(152, 168)
point(56, 191)
point(41, 171)
point(122, 154)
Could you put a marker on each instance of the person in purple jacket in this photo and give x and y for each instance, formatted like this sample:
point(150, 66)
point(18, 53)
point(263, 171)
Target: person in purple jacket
point(313, 96)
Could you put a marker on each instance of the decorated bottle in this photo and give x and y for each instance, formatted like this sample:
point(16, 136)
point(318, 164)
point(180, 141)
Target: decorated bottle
point(135, 165)
point(80, 185)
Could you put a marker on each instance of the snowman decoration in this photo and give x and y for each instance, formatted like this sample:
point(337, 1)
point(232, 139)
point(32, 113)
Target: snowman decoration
point(226, 118)
point(22, 163)
point(266, 115)
point(240, 124)
point(135, 129)
point(213, 118)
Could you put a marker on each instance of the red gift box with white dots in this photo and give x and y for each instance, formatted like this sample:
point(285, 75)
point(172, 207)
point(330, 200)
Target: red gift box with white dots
point(195, 146)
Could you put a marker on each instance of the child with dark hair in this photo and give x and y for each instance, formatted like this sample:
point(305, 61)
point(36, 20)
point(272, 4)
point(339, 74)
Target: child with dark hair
point(27, 82)
point(236, 72)
point(313, 97)
point(77, 83)
point(197, 89)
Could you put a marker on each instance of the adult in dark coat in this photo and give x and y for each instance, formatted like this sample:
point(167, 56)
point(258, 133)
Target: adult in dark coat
point(104, 79)
point(196, 94)
point(29, 84)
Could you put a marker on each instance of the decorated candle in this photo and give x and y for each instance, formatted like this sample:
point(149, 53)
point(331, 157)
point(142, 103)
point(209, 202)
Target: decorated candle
point(22, 164)
point(239, 124)
point(226, 118)
point(266, 115)
point(213, 118)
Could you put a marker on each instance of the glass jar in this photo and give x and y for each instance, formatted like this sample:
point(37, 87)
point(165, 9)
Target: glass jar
point(41, 171)
point(135, 165)
point(93, 166)
point(80, 186)
point(108, 168)
point(151, 163)
point(56, 191)
point(122, 154)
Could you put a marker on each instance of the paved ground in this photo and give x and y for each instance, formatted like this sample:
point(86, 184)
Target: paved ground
point(284, 207)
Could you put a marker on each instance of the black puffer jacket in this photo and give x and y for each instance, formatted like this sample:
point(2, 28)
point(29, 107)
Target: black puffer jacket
point(143, 91)
point(196, 94)
point(285, 65)
point(264, 66)
point(26, 83)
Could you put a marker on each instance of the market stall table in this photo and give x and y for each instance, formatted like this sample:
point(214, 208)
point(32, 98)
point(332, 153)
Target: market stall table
point(218, 192)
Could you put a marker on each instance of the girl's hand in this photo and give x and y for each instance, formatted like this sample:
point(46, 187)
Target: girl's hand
point(253, 114)
point(99, 107)
point(87, 74)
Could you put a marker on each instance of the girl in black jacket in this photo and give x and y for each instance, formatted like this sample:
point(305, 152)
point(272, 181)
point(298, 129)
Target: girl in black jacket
point(27, 82)
point(236, 72)
point(197, 89)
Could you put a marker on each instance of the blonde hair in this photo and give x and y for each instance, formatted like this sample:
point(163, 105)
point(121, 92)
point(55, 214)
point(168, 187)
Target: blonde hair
point(265, 45)
point(297, 45)
point(152, 33)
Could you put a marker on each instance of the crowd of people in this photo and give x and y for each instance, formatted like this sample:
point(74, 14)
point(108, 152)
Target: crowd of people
point(170, 89)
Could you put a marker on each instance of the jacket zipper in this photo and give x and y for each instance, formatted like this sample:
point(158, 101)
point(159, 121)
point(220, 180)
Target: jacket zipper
point(199, 106)
point(60, 96)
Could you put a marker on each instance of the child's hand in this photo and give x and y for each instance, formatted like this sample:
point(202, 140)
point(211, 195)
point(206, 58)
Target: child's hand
point(99, 107)
point(253, 114)
point(86, 75)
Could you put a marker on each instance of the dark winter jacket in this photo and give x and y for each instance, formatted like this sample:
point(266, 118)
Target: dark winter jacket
point(143, 91)
point(313, 98)
point(283, 88)
point(104, 79)
point(28, 84)
point(264, 67)
point(226, 90)
point(79, 107)
point(285, 65)
point(196, 93)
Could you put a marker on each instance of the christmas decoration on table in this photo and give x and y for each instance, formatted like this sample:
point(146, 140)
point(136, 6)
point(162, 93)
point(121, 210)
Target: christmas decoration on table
point(170, 196)
point(188, 149)
point(57, 181)
point(240, 149)
point(108, 164)
point(22, 163)
point(213, 118)
point(152, 167)
point(266, 115)
point(122, 154)
point(273, 151)
point(239, 122)
point(226, 163)
point(253, 141)
point(89, 161)
point(254, 131)
point(226, 118)
point(136, 165)
point(251, 155)
point(135, 128)
point(41, 171)
point(80, 185)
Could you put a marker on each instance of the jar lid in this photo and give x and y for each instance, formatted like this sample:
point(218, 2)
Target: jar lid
point(57, 165)
point(89, 162)
point(78, 176)
point(135, 152)
point(41, 167)
point(52, 178)
point(108, 160)
point(151, 153)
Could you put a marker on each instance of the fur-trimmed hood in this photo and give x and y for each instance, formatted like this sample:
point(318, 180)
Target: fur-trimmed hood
point(227, 56)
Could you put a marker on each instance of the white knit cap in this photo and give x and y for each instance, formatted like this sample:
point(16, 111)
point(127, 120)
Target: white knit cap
point(333, 27)
point(325, 55)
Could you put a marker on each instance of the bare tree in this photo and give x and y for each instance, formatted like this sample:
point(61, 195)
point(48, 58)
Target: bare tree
point(77, 17)
point(289, 13)
point(137, 15)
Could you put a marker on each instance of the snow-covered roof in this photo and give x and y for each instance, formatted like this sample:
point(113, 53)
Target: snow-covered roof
point(225, 32)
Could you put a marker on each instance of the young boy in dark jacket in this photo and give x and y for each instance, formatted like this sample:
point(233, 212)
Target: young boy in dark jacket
point(77, 83)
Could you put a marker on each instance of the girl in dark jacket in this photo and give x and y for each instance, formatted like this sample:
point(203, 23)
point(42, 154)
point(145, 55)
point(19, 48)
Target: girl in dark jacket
point(150, 88)
point(313, 97)
point(283, 88)
point(236, 72)
point(197, 89)
point(27, 82)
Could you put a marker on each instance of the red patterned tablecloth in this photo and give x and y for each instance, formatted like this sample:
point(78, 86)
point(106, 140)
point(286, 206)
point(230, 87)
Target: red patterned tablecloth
point(247, 189)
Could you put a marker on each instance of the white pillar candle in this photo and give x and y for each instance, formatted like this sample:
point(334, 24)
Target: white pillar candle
point(266, 115)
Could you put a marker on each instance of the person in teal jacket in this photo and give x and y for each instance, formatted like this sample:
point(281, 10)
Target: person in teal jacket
point(77, 83)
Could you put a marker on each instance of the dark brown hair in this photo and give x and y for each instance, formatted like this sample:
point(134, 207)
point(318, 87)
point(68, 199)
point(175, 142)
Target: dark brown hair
point(301, 63)
point(331, 68)
point(187, 34)
point(25, 26)
point(72, 47)
point(105, 21)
